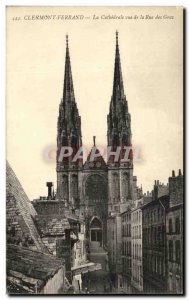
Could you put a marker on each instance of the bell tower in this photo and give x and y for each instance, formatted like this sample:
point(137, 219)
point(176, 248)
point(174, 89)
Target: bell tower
point(69, 140)
point(120, 171)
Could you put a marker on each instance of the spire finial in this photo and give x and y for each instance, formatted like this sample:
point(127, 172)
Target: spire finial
point(94, 139)
point(67, 40)
point(118, 90)
point(117, 36)
point(68, 91)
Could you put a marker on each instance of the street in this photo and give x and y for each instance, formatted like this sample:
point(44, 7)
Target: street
point(98, 282)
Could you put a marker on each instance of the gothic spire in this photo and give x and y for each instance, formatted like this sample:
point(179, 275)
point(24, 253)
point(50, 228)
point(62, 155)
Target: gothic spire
point(118, 90)
point(69, 121)
point(119, 120)
point(68, 92)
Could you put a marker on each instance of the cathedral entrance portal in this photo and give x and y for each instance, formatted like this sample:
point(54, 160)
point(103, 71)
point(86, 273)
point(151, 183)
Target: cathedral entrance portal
point(96, 198)
point(96, 237)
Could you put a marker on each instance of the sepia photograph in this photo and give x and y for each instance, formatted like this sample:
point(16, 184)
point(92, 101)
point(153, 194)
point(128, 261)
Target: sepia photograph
point(94, 150)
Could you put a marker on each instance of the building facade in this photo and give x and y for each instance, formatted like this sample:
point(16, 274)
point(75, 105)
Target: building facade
point(114, 244)
point(174, 235)
point(154, 241)
point(95, 188)
point(136, 246)
point(124, 279)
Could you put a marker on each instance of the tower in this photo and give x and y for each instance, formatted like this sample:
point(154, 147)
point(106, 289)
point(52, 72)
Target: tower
point(69, 141)
point(95, 188)
point(120, 169)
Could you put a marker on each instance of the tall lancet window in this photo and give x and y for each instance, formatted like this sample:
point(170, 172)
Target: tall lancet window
point(125, 185)
point(115, 186)
point(65, 187)
point(74, 186)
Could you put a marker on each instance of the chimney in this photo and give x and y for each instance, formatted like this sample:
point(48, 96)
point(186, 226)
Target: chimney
point(173, 173)
point(49, 185)
point(180, 174)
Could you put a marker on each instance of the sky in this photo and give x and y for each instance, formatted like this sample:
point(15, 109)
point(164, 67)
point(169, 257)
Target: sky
point(152, 66)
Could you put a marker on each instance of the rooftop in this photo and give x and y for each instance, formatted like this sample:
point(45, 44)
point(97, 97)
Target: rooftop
point(28, 269)
point(25, 209)
point(51, 224)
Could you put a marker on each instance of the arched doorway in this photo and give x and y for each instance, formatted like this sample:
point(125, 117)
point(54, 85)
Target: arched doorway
point(96, 199)
point(96, 237)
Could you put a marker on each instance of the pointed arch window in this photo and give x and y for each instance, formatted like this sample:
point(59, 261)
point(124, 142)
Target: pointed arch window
point(74, 182)
point(115, 186)
point(125, 184)
point(65, 186)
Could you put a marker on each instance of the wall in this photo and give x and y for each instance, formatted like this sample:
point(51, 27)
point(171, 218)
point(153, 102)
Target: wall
point(175, 264)
point(49, 207)
point(136, 249)
point(55, 284)
point(125, 281)
point(114, 244)
point(79, 248)
point(174, 235)
point(176, 190)
point(154, 246)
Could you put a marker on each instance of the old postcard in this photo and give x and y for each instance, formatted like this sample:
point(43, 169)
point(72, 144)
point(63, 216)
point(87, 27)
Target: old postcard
point(94, 150)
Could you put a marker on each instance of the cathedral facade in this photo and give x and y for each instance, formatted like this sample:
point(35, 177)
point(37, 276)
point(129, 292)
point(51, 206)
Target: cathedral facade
point(95, 188)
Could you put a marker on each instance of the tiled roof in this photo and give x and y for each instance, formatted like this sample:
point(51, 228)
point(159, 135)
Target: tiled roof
point(51, 224)
point(28, 270)
point(20, 211)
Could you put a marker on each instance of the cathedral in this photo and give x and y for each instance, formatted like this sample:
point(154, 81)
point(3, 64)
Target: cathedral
point(96, 188)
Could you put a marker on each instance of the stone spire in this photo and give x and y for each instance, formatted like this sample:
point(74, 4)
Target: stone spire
point(118, 119)
point(118, 90)
point(68, 92)
point(69, 121)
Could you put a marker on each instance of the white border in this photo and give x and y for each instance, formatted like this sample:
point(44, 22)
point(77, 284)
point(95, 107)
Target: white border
point(3, 4)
